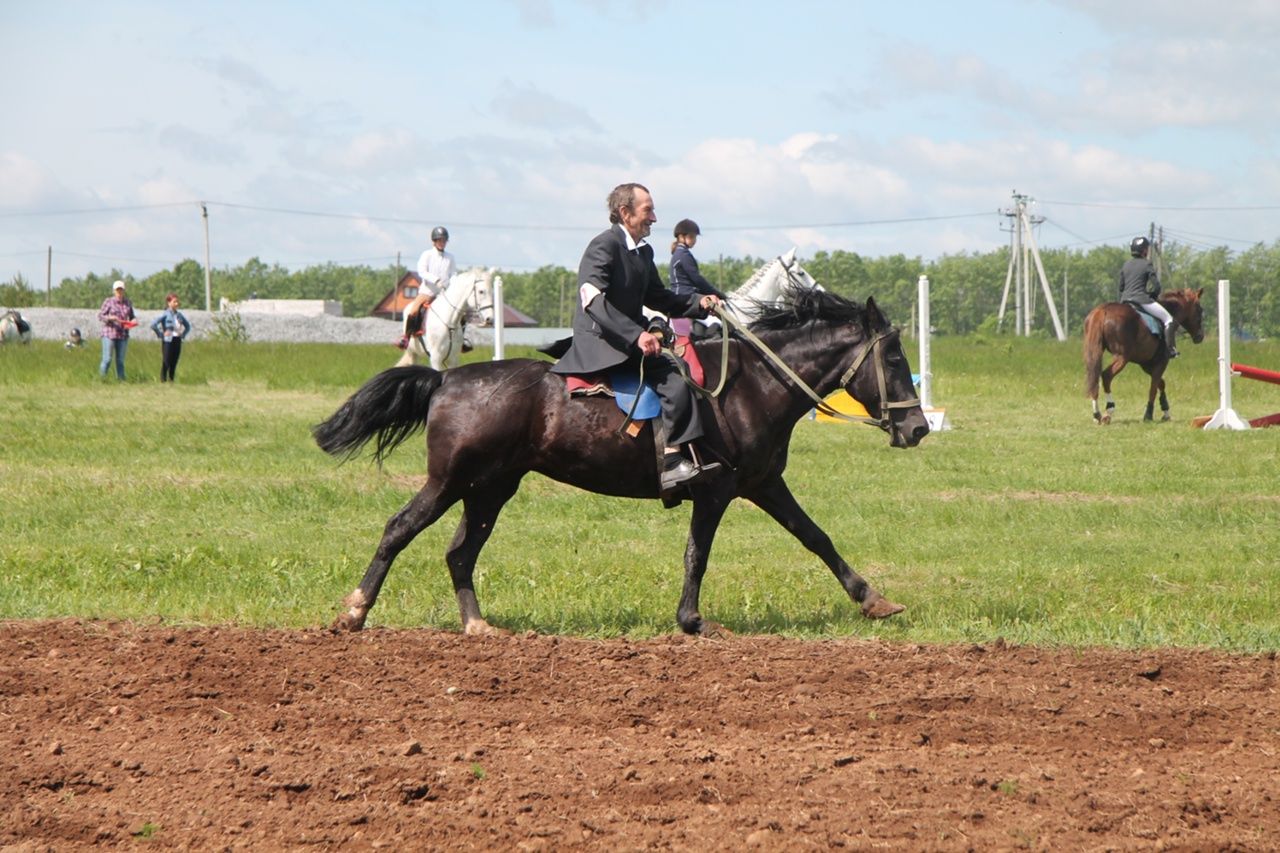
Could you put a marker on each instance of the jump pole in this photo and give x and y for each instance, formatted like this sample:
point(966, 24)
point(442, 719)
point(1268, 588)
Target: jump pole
point(937, 418)
point(1225, 417)
point(499, 315)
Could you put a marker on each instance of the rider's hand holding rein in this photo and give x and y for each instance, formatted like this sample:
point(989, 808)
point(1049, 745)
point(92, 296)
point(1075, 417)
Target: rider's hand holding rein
point(649, 343)
point(709, 302)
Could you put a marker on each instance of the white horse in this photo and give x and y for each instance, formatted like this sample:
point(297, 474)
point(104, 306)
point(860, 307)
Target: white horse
point(14, 328)
point(767, 287)
point(470, 292)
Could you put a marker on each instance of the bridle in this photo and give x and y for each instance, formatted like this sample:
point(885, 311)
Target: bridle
point(870, 349)
point(452, 307)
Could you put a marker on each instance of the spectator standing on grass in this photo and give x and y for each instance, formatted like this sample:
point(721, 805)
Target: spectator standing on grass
point(117, 319)
point(172, 328)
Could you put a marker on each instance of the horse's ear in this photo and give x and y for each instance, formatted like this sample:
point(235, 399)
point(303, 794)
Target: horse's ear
point(876, 321)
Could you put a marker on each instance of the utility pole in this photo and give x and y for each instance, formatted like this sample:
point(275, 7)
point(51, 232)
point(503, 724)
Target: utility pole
point(48, 279)
point(208, 276)
point(1022, 251)
point(1157, 242)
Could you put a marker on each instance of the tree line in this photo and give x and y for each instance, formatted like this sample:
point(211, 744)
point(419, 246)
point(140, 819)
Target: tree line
point(965, 288)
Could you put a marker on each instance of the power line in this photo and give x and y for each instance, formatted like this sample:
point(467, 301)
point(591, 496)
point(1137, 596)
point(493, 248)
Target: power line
point(504, 226)
point(1189, 234)
point(78, 211)
point(112, 257)
point(1161, 206)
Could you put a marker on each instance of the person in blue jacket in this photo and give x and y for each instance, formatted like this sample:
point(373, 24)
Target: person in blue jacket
point(685, 277)
point(171, 327)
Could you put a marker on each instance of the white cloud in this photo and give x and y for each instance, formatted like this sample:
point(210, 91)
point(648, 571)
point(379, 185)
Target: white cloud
point(378, 151)
point(528, 106)
point(199, 146)
point(164, 190)
point(119, 231)
point(26, 183)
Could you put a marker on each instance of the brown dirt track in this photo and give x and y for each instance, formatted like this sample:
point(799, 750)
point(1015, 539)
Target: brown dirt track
point(210, 738)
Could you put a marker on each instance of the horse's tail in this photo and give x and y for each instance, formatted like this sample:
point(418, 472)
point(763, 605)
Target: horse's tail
point(1092, 353)
point(389, 407)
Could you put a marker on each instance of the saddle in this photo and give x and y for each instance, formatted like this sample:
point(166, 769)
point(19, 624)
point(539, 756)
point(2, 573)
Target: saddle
point(622, 383)
point(1153, 324)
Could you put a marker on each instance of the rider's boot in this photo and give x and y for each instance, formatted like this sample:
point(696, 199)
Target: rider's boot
point(1169, 332)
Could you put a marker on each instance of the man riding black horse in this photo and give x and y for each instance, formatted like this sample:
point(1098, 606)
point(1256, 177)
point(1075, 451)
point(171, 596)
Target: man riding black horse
point(616, 279)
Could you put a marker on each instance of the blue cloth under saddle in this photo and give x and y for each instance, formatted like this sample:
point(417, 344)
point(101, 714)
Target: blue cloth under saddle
point(624, 382)
point(1153, 325)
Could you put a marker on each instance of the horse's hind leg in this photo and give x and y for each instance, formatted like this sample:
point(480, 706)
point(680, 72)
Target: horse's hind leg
point(416, 516)
point(480, 511)
point(1108, 374)
point(777, 500)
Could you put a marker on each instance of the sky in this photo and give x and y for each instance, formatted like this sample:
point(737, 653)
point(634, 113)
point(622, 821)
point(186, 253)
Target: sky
point(317, 132)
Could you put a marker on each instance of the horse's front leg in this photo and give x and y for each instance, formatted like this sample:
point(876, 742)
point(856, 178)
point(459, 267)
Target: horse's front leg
point(708, 508)
point(776, 499)
point(1152, 390)
point(1164, 403)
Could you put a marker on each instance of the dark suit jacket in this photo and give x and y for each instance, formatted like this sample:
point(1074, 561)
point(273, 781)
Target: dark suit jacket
point(1138, 282)
point(605, 333)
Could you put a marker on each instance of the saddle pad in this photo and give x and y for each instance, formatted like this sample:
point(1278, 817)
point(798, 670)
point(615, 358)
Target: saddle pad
point(619, 384)
point(1153, 325)
point(685, 350)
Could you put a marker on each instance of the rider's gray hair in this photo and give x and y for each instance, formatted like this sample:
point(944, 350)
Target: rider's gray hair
point(623, 195)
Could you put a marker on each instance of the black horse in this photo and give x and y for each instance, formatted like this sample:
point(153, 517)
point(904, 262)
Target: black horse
point(489, 424)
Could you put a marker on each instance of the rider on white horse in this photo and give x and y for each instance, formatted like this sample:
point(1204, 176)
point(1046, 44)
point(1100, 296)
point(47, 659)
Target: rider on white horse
point(436, 269)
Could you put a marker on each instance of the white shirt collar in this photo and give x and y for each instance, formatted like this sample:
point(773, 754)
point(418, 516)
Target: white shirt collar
point(632, 245)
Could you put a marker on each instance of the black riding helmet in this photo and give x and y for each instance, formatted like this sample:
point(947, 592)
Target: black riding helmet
point(1138, 247)
point(439, 233)
point(686, 226)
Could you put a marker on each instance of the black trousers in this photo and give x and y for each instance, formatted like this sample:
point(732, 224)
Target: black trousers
point(171, 352)
point(680, 415)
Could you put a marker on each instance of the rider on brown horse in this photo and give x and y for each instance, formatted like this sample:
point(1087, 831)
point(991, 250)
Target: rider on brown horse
point(1139, 287)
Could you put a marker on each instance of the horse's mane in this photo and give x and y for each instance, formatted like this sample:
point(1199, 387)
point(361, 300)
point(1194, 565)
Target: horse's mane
point(808, 306)
point(756, 277)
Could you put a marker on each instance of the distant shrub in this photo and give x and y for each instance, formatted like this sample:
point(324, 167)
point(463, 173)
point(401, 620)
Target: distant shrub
point(229, 326)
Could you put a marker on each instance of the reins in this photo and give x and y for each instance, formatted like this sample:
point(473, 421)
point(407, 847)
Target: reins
point(730, 323)
point(871, 347)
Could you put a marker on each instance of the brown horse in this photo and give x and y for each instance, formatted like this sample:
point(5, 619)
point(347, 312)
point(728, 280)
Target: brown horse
point(1117, 328)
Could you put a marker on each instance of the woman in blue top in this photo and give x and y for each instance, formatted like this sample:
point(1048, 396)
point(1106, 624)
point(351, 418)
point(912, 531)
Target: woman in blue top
point(171, 327)
point(685, 277)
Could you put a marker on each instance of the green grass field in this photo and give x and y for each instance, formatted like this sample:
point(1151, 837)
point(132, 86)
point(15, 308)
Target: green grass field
point(207, 502)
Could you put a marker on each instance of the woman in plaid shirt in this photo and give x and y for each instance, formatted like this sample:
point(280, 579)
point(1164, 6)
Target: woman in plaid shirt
point(117, 318)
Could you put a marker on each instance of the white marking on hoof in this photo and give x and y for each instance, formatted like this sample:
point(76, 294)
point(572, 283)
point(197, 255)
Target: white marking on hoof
point(481, 628)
